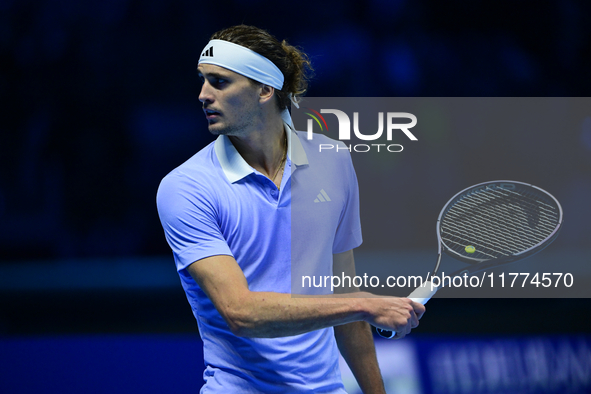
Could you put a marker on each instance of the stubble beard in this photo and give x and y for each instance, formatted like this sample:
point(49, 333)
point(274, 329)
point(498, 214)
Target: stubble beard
point(230, 131)
point(236, 129)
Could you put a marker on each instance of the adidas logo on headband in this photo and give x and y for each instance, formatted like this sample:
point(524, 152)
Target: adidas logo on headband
point(208, 52)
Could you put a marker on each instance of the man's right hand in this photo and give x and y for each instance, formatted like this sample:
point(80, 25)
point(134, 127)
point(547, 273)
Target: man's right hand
point(395, 314)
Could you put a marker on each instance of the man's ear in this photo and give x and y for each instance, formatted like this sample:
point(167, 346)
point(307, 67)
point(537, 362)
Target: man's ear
point(266, 94)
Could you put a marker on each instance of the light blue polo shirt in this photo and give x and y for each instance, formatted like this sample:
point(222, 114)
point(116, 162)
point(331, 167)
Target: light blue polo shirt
point(217, 204)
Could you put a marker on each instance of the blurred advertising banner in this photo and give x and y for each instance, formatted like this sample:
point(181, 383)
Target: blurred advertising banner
point(487, 365)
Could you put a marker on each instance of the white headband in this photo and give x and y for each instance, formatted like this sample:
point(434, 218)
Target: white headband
point(243, 61)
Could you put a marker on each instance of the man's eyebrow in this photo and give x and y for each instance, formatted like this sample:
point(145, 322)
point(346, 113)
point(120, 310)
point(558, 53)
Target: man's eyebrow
point(213, 74)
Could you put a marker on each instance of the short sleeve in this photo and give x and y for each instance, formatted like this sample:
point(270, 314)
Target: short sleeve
point(348, 234)
point(189, 219)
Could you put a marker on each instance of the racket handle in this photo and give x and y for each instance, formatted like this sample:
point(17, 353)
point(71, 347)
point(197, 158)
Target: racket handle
point(420, 294)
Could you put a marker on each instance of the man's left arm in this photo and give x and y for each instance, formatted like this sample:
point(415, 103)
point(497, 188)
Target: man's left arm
point(355, 340)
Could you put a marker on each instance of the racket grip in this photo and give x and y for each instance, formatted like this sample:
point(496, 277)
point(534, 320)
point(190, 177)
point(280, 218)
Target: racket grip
point(420, 294)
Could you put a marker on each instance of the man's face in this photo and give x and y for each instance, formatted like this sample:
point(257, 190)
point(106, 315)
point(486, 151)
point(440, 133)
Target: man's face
point(230, 101)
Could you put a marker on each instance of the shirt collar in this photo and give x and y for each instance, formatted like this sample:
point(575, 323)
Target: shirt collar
point(236, 168)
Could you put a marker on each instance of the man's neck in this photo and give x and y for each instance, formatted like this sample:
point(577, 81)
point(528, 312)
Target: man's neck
point(264, 147)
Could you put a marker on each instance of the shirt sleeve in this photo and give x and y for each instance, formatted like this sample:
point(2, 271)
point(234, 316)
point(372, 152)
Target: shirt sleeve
point(348, 235)
point(188, 216)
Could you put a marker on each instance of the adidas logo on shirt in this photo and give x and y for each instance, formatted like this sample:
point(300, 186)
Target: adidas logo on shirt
point(208, 52)
point(322, 197)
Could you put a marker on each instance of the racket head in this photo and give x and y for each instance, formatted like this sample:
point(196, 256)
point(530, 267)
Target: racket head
point(504, 221)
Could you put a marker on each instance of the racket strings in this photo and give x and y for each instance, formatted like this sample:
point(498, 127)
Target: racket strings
point(498, 222)
point(548, 214)
point(496, 234)
point(486, 225)
point(520, 214)
point(484, 242)
point(499, 225)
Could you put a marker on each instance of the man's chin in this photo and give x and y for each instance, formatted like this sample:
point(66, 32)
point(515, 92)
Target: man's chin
point(220, 130)
point(216, 129)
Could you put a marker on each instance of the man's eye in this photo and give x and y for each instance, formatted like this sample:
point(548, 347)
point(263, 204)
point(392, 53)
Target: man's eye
point(219, 81)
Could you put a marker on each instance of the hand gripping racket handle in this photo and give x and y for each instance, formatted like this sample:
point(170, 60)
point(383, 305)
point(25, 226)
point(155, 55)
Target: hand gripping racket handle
point(420, 294)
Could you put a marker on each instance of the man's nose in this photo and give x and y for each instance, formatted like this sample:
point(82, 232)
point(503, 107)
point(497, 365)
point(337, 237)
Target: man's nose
point(205, 93)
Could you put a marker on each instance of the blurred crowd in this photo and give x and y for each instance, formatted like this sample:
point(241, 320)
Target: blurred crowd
point(99, 100)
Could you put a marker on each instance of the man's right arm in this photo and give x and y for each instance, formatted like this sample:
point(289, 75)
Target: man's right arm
point(270, 314)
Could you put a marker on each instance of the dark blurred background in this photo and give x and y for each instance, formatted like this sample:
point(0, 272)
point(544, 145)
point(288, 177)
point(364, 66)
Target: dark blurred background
point(99, 100)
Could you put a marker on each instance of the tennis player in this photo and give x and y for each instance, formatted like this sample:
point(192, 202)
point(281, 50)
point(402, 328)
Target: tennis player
point(227, 215)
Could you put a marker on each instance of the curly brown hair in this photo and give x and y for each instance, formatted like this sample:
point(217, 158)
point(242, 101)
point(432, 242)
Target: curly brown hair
point(293, 62)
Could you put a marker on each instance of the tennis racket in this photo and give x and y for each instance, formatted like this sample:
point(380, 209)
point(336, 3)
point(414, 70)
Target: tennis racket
point(489, 225)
